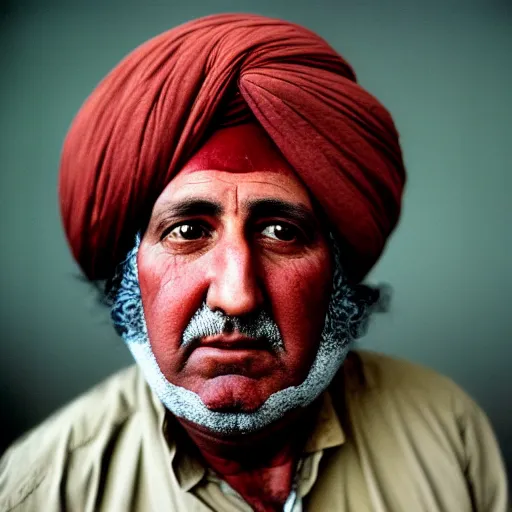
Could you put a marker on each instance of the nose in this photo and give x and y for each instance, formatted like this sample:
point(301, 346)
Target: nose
point(234, 287)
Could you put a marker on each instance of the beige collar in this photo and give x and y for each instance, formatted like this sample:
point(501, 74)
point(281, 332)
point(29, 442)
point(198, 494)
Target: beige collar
point(188, 470)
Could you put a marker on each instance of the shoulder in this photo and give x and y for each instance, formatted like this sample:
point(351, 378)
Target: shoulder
point(45, 449)
point(396, 378)
point(414, 401)
point(400, 409)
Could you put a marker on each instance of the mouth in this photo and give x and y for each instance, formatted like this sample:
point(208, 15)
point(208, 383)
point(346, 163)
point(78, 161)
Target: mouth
point(231, 354)
point(233, 341)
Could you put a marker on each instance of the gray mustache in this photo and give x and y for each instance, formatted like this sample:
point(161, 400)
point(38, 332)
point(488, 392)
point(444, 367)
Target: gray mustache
point(206, 322)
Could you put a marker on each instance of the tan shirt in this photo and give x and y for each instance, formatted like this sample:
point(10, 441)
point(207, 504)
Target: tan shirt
point(390, 436)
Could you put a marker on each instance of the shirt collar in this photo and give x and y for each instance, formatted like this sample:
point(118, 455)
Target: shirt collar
point(327, 433)
point(186, 468)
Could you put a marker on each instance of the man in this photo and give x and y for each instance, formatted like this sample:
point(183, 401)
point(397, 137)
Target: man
point(232, 185)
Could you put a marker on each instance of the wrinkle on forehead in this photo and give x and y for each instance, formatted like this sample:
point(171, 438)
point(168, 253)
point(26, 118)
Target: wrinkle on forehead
point(233, 191)
point(204, 176)
point(240, 160)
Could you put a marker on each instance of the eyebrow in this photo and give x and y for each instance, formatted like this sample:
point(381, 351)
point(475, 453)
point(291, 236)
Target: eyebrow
point(188, 208)
point(257, 208)
point(278, 208)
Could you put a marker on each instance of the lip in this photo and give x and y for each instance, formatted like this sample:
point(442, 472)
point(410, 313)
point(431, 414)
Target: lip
point(231, 354)
point(233, 342)
point(210, 361)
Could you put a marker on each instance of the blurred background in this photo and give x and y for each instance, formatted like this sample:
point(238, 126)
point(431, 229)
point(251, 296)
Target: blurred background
point(443, 69)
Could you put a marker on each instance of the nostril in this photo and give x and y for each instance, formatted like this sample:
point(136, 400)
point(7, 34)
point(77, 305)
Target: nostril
point(228, 326)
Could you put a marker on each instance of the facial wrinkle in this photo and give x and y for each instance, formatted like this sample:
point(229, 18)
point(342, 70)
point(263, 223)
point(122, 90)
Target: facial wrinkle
point(345, 321)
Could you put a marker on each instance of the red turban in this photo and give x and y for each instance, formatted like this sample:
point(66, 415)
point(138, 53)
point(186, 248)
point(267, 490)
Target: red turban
point(153, 111)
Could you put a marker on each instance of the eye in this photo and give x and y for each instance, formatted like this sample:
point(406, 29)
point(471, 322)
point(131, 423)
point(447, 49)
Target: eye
point(188, 231)
point(281, 232)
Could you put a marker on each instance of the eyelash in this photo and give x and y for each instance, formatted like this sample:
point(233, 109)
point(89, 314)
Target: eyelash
point(299, 233)
point(200, 225)
point(194, 223)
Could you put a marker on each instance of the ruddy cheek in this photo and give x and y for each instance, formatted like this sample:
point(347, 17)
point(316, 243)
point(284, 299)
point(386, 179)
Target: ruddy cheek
point(310, 289)
point(170, 296)
point(299, 310)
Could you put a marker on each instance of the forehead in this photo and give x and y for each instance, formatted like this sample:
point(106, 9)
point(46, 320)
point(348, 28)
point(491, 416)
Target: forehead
point(228, 185)
point(239, 162)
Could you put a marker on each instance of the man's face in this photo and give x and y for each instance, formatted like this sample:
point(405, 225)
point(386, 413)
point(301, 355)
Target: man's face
point(241, 236)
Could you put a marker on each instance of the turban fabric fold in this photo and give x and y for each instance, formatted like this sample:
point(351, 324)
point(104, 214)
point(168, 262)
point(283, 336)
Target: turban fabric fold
point(153, 111)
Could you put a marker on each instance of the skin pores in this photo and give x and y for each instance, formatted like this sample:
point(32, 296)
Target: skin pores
point(237, 230)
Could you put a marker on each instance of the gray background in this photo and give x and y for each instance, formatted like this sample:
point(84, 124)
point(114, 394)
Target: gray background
point(442, 68)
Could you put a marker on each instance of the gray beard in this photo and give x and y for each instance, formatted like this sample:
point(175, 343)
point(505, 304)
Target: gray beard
point(188, 405)
point(343, 318)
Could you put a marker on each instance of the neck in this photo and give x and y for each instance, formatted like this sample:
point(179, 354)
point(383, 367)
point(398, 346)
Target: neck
point(260, 466)
point(285, 436)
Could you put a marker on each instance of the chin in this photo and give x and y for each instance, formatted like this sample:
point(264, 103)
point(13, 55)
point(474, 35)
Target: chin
point(233, 393)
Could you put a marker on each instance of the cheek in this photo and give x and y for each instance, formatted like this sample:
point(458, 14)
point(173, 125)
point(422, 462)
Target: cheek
point(169, 297)
point(299, 292)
